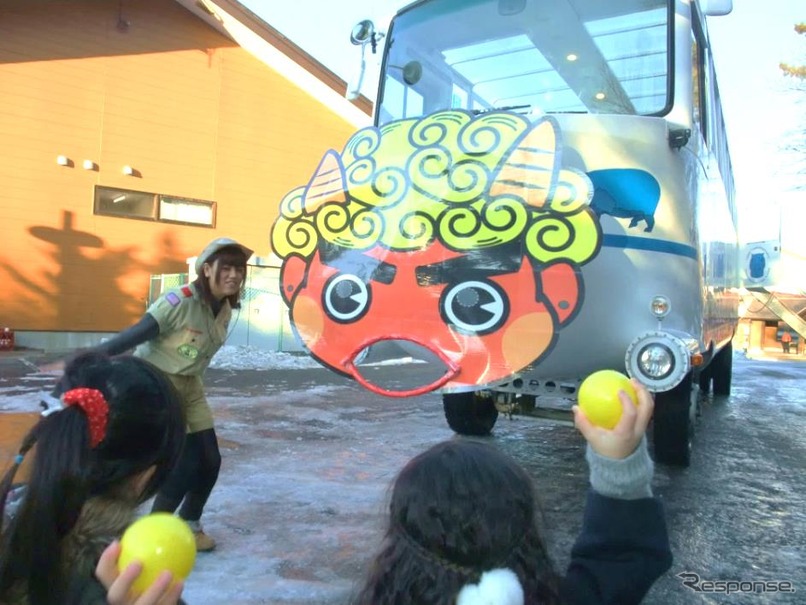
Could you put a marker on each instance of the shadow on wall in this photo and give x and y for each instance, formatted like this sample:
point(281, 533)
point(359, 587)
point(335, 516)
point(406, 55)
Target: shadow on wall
point(77, 287)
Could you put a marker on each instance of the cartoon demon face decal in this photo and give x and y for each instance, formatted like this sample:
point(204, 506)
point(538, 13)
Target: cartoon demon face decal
point(461, 234)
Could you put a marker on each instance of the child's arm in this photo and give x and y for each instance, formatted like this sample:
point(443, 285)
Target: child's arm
point(627, 478)
point(622, 550)
point(623, 546)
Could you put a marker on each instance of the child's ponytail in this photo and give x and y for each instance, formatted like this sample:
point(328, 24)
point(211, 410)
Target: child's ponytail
point(56, 493)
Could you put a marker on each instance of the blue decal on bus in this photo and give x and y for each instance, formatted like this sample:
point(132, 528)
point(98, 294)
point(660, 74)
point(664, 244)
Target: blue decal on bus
point(626, 193)
point(653, 245)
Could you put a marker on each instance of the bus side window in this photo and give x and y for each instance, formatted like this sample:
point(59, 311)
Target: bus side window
point(700, 82)
point(696, 112)
point(458, 98)
point(710, 109)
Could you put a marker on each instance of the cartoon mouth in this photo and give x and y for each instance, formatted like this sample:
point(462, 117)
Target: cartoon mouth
point(434, 357)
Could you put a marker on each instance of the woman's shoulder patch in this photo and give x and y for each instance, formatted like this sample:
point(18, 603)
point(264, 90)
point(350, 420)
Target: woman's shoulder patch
point(173, 298)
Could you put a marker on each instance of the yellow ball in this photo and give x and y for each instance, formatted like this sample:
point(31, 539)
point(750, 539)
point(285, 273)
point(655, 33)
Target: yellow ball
point(598, 397)
point(159, 541)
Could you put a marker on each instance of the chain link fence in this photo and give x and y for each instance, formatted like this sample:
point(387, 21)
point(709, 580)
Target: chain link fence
point(262, 320)
point(163, 283)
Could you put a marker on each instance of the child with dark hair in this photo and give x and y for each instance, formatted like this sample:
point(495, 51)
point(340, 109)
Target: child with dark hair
point(180, 333)
point(107, 450)
point(463, 527)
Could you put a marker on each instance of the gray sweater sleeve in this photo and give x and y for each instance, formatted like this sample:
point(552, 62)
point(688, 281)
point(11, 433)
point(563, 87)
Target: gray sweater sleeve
point(627, 479)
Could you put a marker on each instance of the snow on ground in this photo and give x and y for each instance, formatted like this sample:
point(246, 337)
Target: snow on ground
point(307, 459)
point(250, 358)
point(26, 392)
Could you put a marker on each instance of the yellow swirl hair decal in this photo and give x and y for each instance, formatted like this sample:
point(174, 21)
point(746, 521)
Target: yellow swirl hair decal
point(470, 181)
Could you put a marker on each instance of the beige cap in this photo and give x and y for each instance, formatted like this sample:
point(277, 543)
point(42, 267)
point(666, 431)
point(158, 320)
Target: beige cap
point(216, 245)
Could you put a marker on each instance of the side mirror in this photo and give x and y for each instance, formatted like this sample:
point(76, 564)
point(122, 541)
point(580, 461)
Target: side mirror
point(363, 32)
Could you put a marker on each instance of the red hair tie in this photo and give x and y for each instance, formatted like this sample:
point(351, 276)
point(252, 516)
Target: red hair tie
point(94, 404)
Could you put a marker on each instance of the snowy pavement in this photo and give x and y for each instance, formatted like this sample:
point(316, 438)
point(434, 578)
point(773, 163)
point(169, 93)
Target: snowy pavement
point(308, 456)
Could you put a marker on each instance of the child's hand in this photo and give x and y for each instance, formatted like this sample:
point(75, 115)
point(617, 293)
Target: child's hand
point(118, 585)
point(620, 441)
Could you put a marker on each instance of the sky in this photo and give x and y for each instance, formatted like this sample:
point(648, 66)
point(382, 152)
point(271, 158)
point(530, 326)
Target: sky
point(761, 108)
point(747, 45)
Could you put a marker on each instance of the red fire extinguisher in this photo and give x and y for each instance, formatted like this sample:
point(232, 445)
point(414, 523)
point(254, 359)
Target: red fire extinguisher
point(7, 339)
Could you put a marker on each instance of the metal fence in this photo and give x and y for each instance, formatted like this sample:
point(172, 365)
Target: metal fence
point(262, 320)
point(162, 283)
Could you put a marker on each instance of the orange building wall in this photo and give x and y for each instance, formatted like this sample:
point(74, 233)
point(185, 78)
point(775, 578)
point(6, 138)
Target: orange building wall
point(192, 112)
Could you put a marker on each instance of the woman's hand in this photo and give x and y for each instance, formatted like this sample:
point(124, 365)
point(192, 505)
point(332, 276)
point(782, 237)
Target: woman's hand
point(620, 441)
point(118, 585)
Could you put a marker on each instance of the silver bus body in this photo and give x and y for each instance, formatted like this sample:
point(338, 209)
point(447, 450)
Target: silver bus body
point(681, 247)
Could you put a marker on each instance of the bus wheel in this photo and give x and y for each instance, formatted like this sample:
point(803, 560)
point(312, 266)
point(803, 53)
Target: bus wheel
point(722, 370)
point(674, 424)
point(470, 413)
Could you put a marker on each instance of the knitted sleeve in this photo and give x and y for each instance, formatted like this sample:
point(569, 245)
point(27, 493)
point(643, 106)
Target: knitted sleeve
point(627, 479)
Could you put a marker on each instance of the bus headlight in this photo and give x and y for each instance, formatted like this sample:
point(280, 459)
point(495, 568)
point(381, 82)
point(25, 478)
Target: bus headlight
point(656, 360)
point(660, 306)
point(660, 360)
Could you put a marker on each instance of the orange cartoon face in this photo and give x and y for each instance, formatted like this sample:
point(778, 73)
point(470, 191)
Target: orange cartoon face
point(474, 255)
point(473, 311)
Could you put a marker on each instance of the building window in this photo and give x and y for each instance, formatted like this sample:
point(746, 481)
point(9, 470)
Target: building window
point(194, 212)
point(126, 203)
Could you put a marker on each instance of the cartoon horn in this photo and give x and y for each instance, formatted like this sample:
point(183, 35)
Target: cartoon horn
point(326, 185)
point(529, 171)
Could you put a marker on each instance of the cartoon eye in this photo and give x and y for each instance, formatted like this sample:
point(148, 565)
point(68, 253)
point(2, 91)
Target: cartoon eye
point(346, 298)
point(475, 307)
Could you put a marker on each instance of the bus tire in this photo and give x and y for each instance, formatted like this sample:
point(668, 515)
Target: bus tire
point(470, 413)
point(673, 424)
point(722, 370)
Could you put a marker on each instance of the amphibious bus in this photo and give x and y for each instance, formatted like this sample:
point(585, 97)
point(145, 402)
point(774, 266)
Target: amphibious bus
point(546, 191)
point(631, 84)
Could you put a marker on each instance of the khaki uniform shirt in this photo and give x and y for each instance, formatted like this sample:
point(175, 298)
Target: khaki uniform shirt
point(189, 334)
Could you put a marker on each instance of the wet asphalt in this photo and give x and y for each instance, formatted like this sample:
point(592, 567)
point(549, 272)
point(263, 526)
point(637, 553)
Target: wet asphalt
point(308, 456)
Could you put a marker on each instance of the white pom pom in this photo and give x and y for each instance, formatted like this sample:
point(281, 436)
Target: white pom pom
point(497, 587)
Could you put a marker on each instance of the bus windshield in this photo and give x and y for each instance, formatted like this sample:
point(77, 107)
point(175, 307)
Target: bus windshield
point(580, 56)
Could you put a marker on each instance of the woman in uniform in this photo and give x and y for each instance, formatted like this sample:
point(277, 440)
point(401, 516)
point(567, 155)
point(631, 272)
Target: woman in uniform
point(179, 333)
